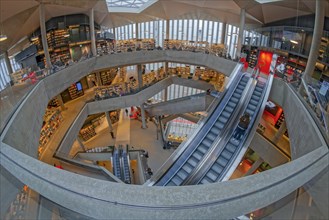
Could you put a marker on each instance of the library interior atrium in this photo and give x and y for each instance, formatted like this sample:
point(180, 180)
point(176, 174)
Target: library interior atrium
point(164, 109)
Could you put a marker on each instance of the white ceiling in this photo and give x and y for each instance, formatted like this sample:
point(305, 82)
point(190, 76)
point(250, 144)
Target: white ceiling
point(19, 18)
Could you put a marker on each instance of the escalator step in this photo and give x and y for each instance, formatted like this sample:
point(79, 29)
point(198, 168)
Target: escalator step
point(187, 168)
point(211, 136)
point(243, 84)
point(251, 113)
point(205, 180)
point(226, 114)
point(222, 161)
point(182, 174)
point(207, 142)
point(253, 102)
point(258, 89)
point(226, 154)
point(239, 91)
point(219, 125)
point(218, 168)
point(198, 155)
point(235, 100)
point(231, 104)
point(240, 87)
point(171, 184)
point(252, 107)
point(230, 147)
point(212, 175)
point(222, 119)
point(254, 97)
point(257, 93)
point(192, 162)
point(177, 180)
point(203, 149)
point(229, 109)
point(215, 130)
point(237, 95)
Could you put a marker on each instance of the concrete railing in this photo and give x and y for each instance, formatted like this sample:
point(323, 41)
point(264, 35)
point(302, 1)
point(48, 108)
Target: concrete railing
point(101, 199)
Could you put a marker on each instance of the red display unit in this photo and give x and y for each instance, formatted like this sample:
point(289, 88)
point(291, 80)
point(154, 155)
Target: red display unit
point(264, 61)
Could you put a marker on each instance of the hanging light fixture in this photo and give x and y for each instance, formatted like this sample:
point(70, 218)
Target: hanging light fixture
point(3, 37)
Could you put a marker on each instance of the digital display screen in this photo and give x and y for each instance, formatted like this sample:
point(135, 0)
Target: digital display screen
point(79, 86)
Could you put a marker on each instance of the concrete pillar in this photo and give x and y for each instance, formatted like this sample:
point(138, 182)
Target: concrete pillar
point(166, 94)
point(166, 68)
point(241, 29)
point(143, 116)
point(45, 209)
point(222, 41)
point(98, 78)
point(8, 64)
point(108, 118)
point(80, 142)
point(92, 32)
point(254, 167)
point(316, 39)
point(60, 101)
point(44, 35)
point(280, 132)
point(137, 31)
point(167, 29)
point(140, 75)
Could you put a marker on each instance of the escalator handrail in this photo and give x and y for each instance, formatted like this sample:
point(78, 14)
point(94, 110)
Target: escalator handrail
point(249, 133)
point(220, 143)
point(183, 146)
point(211, 120)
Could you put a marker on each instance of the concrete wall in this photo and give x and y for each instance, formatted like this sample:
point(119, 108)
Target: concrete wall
point(303, 133)
point(24, 130)
point(187, 104)
point(268, 151)
point(101, 199)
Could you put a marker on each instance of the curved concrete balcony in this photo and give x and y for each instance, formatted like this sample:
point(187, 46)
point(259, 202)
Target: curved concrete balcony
point(103, 199)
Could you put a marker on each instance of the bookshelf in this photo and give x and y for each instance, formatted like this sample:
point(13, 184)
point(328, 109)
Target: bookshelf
point(75, 90)
point(51, 121)
point(87, 132)
point(279, 121)
point(108, 76)
point(253, 56)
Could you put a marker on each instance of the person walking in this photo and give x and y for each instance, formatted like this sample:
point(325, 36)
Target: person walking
point(126, 110)
point(242, 126)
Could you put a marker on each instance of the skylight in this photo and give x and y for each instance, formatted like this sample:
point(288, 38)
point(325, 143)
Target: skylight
point(126, 3)
point(267, 1)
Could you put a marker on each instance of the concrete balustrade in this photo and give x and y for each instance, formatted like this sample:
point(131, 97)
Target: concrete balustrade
point(103, 199)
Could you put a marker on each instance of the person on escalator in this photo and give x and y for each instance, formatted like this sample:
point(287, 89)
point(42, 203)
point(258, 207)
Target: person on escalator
point(242, 126)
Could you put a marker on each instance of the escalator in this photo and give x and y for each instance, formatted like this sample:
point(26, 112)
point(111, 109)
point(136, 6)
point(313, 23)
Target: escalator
point(210, 133)
point(126, 167)
point(116, 164)
point(219, 164)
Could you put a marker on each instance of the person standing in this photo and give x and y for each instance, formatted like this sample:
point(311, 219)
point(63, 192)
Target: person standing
point(126, 110)
point(242, 126)
point(112, 134)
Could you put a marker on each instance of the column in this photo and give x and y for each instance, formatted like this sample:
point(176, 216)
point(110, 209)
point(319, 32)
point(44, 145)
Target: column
point(137, 31)
point(316, 39)
point(109, 121)
point(92, 32)
point(61, 103)
point(280, 132)
point(167, 29)
point(115, 43)
point(166, 68)
point(140, 75)
point(254, 167)
point(241, 29)
point(166, 94)
point(44, 35)
point(143, 116)
point(82, 146)
point(222, 40)
point(98, 78)
point(8, 64)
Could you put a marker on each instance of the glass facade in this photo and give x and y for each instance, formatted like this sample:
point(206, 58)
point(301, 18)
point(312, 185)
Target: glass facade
point(4, 75)
point(175, 92)
point(183, 29)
